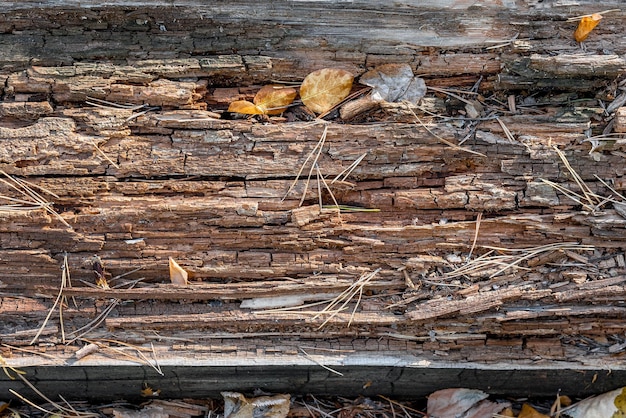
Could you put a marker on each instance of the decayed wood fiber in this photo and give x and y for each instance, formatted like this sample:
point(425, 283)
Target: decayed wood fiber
point(178, 182)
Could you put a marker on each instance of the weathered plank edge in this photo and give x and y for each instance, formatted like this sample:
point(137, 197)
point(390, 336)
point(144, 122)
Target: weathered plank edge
point(400, 376)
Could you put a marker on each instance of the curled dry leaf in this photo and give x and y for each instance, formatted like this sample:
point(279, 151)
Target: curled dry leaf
point(530, 412)
point(323, 89)
point(178, 275)
point(394, 83)
point(270, 100)
point(245, 107)
point(273, 100)
point(586, 25)
point(462, 403)
point(608, 405)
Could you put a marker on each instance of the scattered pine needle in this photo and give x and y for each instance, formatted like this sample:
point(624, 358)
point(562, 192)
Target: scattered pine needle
point(318, 363)
point(440, 139)
point(315, 151)
point(509, 258)
point(64, 412)
point(589, 200)
point(33, 199)
point(345, 173)
point(6, 368)
point(506, 130)
point(345, 297)
point(331, 309)
point(330, 192)
point(575, 18)
point(64, 279)
point(314, 155)
point(95, 323)
point(37, 353)
point(111, 105)
point(103, 154)
point(478, 219)
point(139, 356)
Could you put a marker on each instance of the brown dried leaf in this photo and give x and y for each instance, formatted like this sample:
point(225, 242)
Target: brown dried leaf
point(178, 275)
point(273, 100)
point(530, 412)
point(245, 107)
point(323, 89)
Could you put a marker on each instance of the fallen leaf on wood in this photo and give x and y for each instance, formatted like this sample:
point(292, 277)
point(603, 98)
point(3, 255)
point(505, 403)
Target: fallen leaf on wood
point(530, 412)
point(506, 412)
point(586, 25)
point(484, 408)
point(270, 100)
point(394, 83)
point(273, 100)
point(608, 405)
point(245, 107)
point(462, 403)
point(238, 406)
point(323, 89)
point(148, 392)
point(178, 275)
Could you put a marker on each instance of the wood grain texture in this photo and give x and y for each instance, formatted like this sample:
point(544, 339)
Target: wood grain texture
point(166, 175)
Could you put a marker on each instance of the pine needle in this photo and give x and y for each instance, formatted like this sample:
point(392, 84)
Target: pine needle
point(65, 411)
point(348, 170)
point(440, 139)
point(315, 151)
point(333, 306)
point(345, 297)
point(25, 188)
point(478, 219)
point(140, 357)
point(64, 275)
point(103, 154)
point(512, 257)
point(6, 368)
point(318, 363)
point(589, 200)
point(95, 323)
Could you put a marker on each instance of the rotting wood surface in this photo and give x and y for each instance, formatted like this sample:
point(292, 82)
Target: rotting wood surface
point(179, 182)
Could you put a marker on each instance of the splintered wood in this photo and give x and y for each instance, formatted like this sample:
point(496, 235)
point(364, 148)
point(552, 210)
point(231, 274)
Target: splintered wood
point(471, 206)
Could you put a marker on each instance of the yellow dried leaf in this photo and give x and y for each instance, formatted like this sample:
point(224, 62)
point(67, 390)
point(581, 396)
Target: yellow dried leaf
point(148, 392)
point(530, 412)
point(507, 412)
point(178, 275)
point(323, 89)
point(586, 25)
point(245, 107)
point(102, 283)
point(273, 100)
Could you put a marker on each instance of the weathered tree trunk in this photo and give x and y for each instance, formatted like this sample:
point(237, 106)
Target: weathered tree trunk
point(481, 259)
